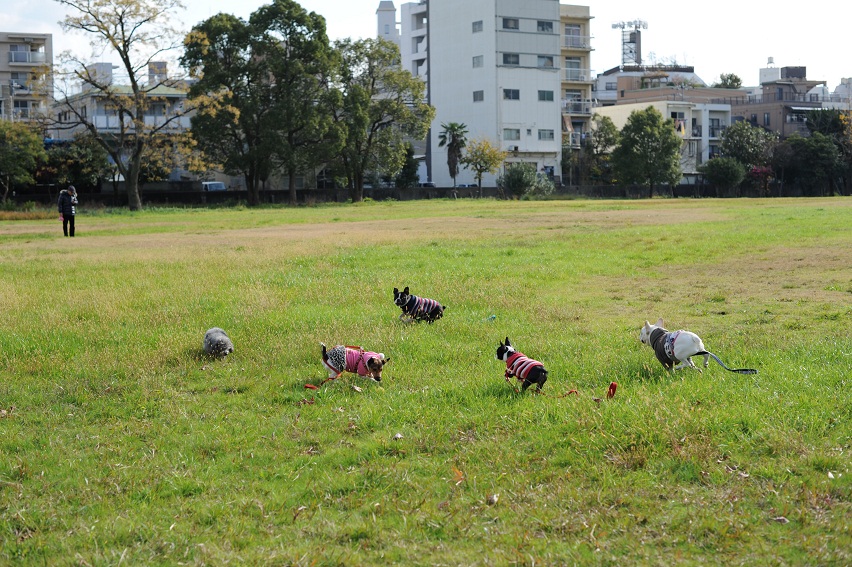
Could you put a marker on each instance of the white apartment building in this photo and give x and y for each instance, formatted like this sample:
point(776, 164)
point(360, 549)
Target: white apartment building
point(23, 59)
point(493, 65)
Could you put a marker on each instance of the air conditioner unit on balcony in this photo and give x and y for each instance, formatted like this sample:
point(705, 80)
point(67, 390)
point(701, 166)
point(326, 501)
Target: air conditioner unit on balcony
point(513, 148)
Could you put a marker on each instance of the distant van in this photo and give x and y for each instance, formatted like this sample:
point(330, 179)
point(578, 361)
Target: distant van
point(213, 186)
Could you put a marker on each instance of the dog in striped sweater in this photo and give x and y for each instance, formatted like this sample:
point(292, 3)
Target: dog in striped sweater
point(522, 367)
point(416, 308)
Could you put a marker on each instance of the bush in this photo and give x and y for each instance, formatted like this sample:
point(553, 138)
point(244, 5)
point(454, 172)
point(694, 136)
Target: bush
point(724, 173)
point(522, 181)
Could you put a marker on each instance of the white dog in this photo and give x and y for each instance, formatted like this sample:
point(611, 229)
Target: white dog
point(678, 347)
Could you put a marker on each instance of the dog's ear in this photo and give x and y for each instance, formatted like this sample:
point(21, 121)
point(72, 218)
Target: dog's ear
point(507, 342)
point(385, 360)
point(659, 322)
point(395, 291)
point(405, 291)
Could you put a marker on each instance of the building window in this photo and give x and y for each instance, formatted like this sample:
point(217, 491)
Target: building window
point(545, 61)
point(477, 61)
point(545, 96)
point(478, 96)
point(511, 59)
point(572, 36)
point(21, 109)
point(545, 27)
point(511, 134)
point(511, 94)
point(546, 135)
point(387, 29)
point(477, 26)
point(766, 119)
point(511, 23)
point(572, 69)
point(753, 119)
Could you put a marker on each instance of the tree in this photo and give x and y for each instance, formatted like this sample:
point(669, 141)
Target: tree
point(517, 180)
point(81, 161)
point(408, 176)
point(259, 92)
point(723, 173)
point(21, 150)
point(482, 157)
point(453, 137)
point(301, 60)
point(521, 180)
point(380, 104)
point(648, 151)
point(728, 81)
point(138, 33)
point(816, 163)
point(596, 157)
point(750, 145)
point(837, 125)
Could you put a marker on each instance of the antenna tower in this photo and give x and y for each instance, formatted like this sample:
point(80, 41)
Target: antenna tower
point(631, 40)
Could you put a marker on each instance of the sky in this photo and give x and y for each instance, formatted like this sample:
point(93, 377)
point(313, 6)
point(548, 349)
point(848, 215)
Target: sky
point(716, 37)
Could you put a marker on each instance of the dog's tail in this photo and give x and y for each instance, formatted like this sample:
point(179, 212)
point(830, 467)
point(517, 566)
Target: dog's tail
point(723, 365)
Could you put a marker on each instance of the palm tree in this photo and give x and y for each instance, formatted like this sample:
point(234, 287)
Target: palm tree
point(454, 138)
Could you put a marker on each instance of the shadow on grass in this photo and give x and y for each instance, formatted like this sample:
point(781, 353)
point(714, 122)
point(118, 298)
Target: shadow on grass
point(509, 391)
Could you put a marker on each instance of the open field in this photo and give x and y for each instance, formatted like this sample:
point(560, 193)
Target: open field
point(121, 443)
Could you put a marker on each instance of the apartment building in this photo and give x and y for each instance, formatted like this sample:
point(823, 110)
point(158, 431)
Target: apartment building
point(95, 106)
point(493, 65)
point(699, 122)
point(577, 80)
point(23, 59)
point(783, 101)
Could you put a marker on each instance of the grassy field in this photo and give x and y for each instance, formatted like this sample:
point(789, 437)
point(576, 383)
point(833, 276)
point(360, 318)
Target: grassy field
point(122, 443)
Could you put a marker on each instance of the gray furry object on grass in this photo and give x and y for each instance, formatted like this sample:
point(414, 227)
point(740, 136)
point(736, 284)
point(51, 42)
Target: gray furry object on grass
point(217, 342)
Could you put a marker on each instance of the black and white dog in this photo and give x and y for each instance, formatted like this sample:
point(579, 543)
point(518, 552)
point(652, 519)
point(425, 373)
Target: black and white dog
point(526, 369)
point(417, 308)
point(677, 347)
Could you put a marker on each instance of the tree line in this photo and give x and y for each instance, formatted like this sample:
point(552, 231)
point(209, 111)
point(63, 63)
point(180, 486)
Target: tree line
point(647, 152)
point(269, 95)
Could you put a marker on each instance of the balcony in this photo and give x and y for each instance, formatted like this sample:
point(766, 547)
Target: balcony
point(571, 106)
point(580, 42)
point(578, 75)
point(716, 131)
point(573, 139)
point(28, 57)
point(108, 122)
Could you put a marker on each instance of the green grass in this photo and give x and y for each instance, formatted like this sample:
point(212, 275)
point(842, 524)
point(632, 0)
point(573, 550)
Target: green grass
point(122, 443)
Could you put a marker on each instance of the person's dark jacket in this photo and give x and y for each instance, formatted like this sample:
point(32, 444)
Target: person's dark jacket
point(67, 205)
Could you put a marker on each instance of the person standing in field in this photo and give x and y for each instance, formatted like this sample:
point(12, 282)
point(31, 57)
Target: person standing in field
point(68, 209)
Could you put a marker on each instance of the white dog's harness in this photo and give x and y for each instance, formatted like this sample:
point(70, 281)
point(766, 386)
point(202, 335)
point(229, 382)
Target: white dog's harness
point(663, 343)
point(670, 344)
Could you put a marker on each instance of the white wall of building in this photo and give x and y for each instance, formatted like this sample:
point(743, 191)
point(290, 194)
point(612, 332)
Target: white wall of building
point(454, 78)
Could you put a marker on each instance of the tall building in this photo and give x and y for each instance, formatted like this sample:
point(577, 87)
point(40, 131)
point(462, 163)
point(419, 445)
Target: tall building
point(495, 66)
point(386, 22)
point(577, 79)
point(23, 58)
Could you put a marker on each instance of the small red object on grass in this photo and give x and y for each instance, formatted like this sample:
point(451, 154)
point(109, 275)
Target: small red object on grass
point(611, 392)
point(310, 387)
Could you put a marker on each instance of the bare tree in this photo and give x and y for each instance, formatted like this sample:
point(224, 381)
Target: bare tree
point(133, 118)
